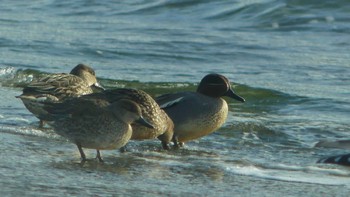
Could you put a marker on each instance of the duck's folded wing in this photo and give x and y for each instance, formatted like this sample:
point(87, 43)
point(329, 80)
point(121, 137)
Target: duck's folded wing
point(169, 100)
point(76, 107)
point(56, 84)
point(112, 95)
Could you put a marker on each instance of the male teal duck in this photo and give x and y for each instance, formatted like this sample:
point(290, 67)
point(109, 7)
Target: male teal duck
point(163, 125)
point(196, 114)
point(58, 87)
point(95, 123)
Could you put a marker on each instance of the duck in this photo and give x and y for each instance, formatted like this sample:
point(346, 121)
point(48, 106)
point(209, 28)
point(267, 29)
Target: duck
point(162, 124)
point(58, 87)
point(96, 123)
point(197, 114)
point(343, 159)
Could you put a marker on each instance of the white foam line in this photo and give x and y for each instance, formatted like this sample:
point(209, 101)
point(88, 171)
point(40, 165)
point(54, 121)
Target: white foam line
point(29, 132)
point(314, 175)
point(17, 119)
point(333, 171)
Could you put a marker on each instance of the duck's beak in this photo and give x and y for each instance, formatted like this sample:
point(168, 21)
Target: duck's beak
point(230, 93)
point(144, 122)
point(97, 87)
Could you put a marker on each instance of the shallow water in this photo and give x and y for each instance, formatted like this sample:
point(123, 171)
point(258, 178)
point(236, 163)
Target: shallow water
point(288, 59)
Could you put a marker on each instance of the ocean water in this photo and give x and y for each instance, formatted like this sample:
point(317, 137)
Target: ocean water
point(288, 58)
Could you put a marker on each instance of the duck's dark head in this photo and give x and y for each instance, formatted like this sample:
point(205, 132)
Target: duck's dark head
point(216, 85)
point(129, 111)
point(88, 74)
point(81, 69)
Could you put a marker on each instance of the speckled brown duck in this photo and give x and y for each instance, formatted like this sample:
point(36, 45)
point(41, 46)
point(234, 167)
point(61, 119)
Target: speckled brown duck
point(163, 125)
point(96, 124)
point(56, 88)
point(196, 114)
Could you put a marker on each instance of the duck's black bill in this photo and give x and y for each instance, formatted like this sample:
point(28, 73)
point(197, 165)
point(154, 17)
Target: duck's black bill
point(97, 87)
point(235, 96)
point(144, 122)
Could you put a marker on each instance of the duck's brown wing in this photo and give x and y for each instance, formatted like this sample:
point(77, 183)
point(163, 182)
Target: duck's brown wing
point(77, 107)
point(60, 85)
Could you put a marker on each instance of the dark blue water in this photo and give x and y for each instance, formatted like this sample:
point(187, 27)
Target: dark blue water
point(289, 59)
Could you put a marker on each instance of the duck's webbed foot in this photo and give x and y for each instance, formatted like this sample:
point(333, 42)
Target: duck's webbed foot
point(82, 154)
point(98, 156)
point(123, 149)
point(41, 124)
point(165, 139)
point(165, 145)
point(177, 144)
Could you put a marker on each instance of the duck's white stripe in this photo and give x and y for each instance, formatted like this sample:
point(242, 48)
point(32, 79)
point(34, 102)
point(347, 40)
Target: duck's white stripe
point(337, 159)
point(170, 103)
